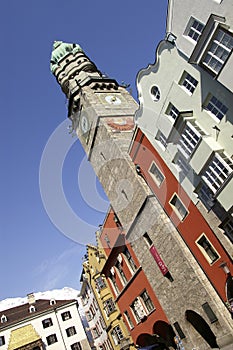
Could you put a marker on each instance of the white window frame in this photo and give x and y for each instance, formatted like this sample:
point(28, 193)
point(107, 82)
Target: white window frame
point(178, 207)
point(193, 30)
point(161, 138)
point(215, 108)
point(204, 251)
point(216, 50)
point(148, 303)
point(172, 111)
point(182, 164)
point(188, 83)
point(117, 334)
point(189, 140)
point(216, 167)
point(128, 319)
point(157, 175)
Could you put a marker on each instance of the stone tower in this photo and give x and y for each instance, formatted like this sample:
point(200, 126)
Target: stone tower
point(102, 114)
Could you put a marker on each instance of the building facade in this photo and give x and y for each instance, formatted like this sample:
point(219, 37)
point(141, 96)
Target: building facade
point(169, 179)
point(103, 315)
point(43, 324)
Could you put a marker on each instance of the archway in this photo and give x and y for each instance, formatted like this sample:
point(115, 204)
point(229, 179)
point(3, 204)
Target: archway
point(165, 331)
point(147, 341)
point(201, 327)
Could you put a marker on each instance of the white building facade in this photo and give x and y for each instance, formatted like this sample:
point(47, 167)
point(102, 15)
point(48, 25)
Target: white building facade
point(42, 324)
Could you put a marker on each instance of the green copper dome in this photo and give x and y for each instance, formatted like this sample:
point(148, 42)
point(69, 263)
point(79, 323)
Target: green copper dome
point(60, 50)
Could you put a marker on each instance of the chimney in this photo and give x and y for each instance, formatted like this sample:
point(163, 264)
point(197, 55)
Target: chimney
point(31, 298)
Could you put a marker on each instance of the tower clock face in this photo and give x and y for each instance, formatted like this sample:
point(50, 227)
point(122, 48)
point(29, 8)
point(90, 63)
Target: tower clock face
point(113, 100)
point(84, 123)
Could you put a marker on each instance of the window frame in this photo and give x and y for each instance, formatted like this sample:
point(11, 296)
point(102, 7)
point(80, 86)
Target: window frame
point(176, 208)
point(215, 45)
point(49, 342)
point(188, 83)
point(189, 140)
point(210, 172)
point(76, 346)
point(2, 340)
point(117, 334)
point(70, 331)
point(148, 303)
point(159, 177)
point(204, 251)
point(172, 111)
point(47, 322)
point(212, 103)
point(191, 28)
point(64, 317)
point(109, 306)
point(128, 320)
point(155, 93)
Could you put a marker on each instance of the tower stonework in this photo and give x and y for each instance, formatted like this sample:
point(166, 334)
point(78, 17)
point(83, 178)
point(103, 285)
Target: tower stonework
point(102, 114)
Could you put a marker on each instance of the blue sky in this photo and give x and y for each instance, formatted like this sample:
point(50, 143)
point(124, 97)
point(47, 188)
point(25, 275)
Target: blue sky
point(38, 254)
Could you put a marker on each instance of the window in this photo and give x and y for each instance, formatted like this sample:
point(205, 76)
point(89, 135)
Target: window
point(209, 312)
point(148, 239)
point(195, 29)
point(207, 249)
point(2, 340)
point(161, 138)
point(178, 207)
point(227, 226)
point(117, 334)
point(156, 174)
point(51, 339)
point(130, 259)
point(70, 331)
point(76, 346)
point(128, 319)
point(188, 83)
point(100, 283)
point(95, 333)
point(102, 323)
point(218, 51)
point(216, 108)
point(138, 310)
point(155, 93)
point(172, 111)
point(65, 315)
point(109, 306)
point(52, 302)
point(182, 163)
point(32, 309)
point(218, 170)
point(188, 140)
point(88, 315)
point(47, 323)
point(147, 301)
point(3, 319)
point(121, 272)
point(206, 196)
point(114, 283)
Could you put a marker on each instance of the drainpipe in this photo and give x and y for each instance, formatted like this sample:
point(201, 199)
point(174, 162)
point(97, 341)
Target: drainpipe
point(55, 310)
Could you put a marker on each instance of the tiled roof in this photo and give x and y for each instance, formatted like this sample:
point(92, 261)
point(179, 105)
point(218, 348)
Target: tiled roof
point(19, 313)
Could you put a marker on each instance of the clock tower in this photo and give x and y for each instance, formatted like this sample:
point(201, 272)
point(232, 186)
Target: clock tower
point(102, 115)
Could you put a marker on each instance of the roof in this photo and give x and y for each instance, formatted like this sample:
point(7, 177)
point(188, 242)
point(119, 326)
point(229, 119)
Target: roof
point(22, 336)
point(19, 313)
